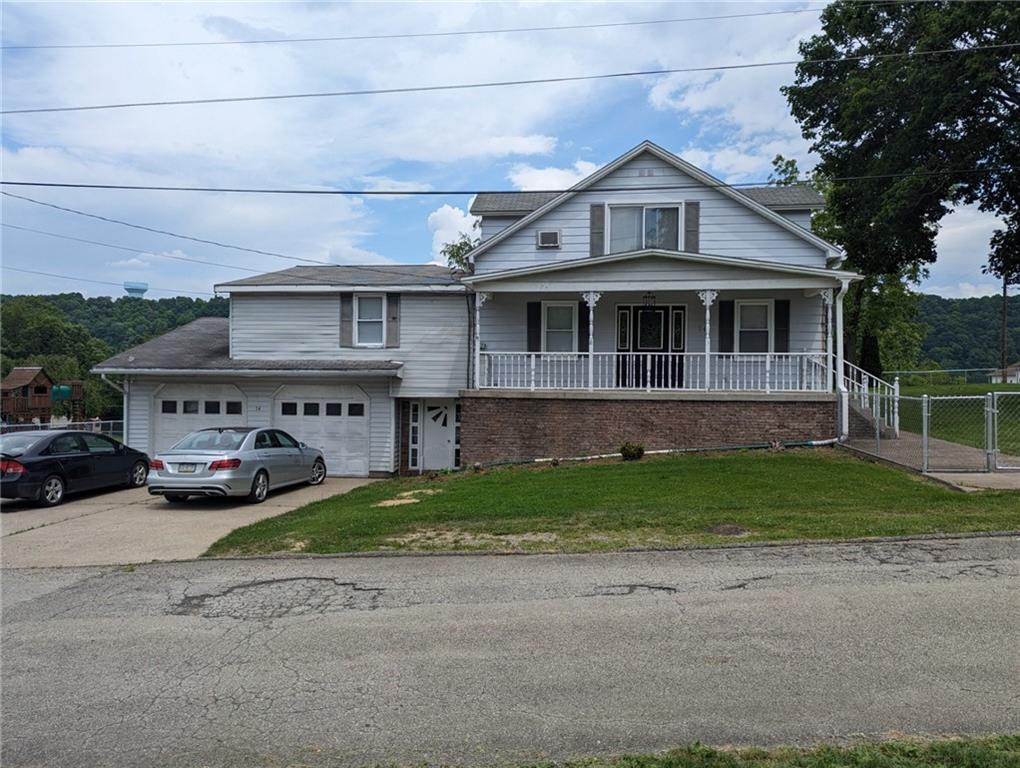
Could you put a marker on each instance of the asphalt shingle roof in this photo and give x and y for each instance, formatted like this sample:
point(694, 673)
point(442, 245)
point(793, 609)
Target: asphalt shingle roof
point(19, 377)
point(330, 274)
point(204, 344)
point(523, 203)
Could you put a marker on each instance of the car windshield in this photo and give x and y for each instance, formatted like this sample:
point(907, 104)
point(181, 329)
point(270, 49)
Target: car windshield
point(211, 440)
point(15, 445)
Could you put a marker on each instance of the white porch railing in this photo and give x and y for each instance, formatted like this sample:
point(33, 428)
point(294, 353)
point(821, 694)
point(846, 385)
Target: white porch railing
point(727, 372)
point(875, 395)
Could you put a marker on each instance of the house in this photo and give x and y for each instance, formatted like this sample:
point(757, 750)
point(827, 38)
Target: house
point(650, 302)
point(1009, 375)
point(25, 395)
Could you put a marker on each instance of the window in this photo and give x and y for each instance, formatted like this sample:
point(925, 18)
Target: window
point(633, 227)
point(456, 435)
point(64, 444)
point(234, 407)
point(264, 440)
point(39, 390)
point(413, 437)
point(623, 329)
point(212, 406)
point(356, 409)
point(559, 326)
point(311, 409)
point(191, 406)
point(651, 329)
point(288, 409)
point(679, 329)
point(284, 440)
point(169, 406)
point(99, 444)
point(369, 323)
point(334, 409)
point(754, 326)
point(548, 239)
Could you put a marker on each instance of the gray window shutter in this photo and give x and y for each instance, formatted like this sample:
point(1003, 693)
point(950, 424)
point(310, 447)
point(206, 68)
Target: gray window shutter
point(597, 230)
point(346, 319)
point(692, 226)
point(582, 326)
point(392, 319)
point(781, 334)
point(534, 312)
point(725, 326)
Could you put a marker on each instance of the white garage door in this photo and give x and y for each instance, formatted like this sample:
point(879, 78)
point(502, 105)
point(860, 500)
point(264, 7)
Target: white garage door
point(182, 408)
point(333, 419)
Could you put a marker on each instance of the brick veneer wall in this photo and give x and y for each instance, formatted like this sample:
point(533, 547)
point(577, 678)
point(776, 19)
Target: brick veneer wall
point(497, 429)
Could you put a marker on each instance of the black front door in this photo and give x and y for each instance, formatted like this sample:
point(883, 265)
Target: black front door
point(644, 336)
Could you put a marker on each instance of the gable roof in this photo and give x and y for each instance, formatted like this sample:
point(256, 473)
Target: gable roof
point(701, 258)
point(203, 345)
point(22, 376)
point(832, 251)
point(795, 197)
point(342, 275)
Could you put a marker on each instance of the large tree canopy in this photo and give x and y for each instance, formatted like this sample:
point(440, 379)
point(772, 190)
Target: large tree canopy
point(950, 122)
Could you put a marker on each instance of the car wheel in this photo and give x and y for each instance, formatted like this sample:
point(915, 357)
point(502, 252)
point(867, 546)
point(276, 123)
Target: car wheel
point(318, 472)
point(52, 491)
point(176, 497)
point(259, 487)
point(139, 474)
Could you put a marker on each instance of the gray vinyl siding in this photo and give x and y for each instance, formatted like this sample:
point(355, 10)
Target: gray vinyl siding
point(492, 225)
point(259, 399)
point(728, 228)
point(800, 218)
point(504, 323)
point(433, 337)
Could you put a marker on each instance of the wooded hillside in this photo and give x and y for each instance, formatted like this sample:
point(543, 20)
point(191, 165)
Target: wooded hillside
point(964, 333)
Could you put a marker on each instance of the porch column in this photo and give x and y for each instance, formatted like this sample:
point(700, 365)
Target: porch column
point(844, 403)
point(480, 298)
point(827, 300)
point(591, 298)
point(708, 299)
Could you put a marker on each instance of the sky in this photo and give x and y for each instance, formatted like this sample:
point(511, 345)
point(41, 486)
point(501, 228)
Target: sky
point(524, 137)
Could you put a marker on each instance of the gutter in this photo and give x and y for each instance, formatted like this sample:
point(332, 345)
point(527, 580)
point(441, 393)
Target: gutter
point(253, 372)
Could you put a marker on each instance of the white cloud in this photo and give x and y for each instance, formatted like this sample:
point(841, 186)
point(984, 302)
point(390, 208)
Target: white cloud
point(446, 223)
point(524, 176)
point(130, 263)
point(964, 290)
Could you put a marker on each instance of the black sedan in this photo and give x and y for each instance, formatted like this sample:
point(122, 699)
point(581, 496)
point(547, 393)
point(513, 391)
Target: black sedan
point(44, 466)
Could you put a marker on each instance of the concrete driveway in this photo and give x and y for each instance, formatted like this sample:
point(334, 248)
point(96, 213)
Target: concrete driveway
point(130, 526)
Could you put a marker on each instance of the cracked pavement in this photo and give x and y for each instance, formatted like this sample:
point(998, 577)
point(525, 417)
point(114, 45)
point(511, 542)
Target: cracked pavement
point(498, 659)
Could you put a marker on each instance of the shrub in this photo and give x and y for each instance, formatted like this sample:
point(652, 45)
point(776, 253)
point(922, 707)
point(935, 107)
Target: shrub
point(632, 451)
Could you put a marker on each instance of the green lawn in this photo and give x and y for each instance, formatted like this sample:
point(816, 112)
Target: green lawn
point(999, 752)
point(673, 501)
point(963, 421)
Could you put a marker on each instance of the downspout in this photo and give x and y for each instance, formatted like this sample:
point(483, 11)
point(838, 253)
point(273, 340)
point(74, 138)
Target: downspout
point(124, 401)
point(844, 400)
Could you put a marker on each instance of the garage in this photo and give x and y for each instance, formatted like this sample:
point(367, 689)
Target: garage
point(182, 408)
point(334, 419)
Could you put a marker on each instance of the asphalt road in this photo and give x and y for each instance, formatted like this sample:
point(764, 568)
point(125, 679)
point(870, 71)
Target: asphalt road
point(482, 660)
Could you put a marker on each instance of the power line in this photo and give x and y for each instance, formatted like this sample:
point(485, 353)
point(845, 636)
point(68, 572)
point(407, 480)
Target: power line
point(507, 83)
point(99, 282)
point(423, 192)
point(411, 35)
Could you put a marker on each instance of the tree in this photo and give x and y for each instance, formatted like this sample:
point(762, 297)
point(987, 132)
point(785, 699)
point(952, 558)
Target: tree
point(785, 172)
point(456, 253)
point(929, 131)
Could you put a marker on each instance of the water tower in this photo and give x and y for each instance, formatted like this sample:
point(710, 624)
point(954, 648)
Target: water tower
point(136, 290)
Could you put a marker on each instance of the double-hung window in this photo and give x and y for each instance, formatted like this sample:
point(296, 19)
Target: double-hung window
point(753, 326)
point(369, 322)
point(559, 326)
point(634, 227)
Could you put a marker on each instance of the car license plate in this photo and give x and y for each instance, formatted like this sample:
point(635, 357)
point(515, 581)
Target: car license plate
point(187, 467)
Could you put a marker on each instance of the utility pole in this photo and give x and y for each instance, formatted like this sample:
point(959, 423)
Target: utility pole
point(1003, 361)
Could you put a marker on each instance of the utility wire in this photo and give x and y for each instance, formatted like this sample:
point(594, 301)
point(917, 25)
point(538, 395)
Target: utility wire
point(433, 192)
point(412, 35)
point(506, 83)
point(99, 282)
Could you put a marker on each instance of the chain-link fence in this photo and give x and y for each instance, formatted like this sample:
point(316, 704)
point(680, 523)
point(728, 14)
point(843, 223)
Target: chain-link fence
point(114, 429)
point(940, 434)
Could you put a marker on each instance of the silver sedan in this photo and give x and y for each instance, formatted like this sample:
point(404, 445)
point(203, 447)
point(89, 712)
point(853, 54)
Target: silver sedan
point(234, 461)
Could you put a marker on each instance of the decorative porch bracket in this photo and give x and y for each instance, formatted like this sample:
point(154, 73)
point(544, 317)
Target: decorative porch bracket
point(480, 299)
point(591, 298)
point(708, 299)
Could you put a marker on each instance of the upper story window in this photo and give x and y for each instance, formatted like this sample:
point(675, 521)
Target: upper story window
point(369, 321)
point(634, 227)
point(753, 326)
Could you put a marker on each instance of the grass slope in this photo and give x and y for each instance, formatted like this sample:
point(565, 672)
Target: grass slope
point(1000, 752)
point(658, 502)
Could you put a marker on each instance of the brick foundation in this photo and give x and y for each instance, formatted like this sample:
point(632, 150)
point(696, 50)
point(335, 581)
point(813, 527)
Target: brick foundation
point(499, 429)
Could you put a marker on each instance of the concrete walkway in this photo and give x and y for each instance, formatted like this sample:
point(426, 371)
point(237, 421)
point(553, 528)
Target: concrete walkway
point(980, 481)
point(130, 526)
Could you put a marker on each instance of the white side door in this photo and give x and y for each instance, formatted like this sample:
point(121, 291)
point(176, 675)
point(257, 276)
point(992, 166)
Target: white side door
point(438, 434)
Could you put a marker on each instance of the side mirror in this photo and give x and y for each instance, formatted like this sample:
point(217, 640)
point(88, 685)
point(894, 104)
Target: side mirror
point(302, 446)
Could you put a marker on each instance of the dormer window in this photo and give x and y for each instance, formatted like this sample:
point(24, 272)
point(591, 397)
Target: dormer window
point(634, 227)
point(549, 238)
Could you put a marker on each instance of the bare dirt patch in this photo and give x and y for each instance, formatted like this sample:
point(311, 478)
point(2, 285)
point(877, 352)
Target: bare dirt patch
point(407, 497)
point(447, 539)
point(727, 529)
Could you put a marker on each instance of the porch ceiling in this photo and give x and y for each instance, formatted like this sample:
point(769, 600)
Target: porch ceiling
point(660, 270)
